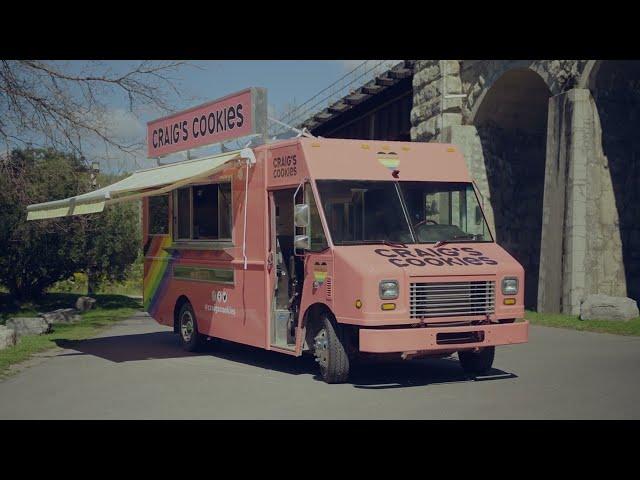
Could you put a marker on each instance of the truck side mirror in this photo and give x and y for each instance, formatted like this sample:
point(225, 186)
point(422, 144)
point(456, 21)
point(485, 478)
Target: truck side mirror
point(301, 216)
point(302, 242)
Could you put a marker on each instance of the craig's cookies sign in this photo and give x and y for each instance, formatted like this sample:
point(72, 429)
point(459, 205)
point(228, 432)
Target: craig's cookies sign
point(237, 115)
point(436, 257)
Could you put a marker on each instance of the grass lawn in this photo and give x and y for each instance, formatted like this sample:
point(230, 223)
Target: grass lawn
point(109, 309)
point(631, 327)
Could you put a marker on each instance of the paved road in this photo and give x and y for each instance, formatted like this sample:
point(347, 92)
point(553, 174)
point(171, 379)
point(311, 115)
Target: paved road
point(137, 370)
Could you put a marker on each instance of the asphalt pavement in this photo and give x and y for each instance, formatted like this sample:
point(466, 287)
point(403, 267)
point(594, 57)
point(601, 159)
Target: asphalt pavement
point(137, 370)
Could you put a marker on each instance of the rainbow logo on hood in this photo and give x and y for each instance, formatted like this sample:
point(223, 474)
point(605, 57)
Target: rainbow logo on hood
point(389, 160)
point(320, 272)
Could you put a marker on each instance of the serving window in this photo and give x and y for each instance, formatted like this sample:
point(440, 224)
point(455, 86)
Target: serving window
point(159, 215)
point(203, 212)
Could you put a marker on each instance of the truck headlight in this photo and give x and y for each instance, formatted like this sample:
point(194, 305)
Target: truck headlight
point(509, 286)
point(389, 289)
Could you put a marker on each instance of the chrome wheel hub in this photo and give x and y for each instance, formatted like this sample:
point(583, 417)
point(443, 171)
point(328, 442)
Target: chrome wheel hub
point(186, 326)
point(321, 348)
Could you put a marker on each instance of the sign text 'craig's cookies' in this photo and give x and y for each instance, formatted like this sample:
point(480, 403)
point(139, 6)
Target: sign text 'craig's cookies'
point(236, 115)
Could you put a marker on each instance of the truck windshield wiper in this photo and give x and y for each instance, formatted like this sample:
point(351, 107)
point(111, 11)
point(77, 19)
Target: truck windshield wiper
point(374, 242)
point(455, 237)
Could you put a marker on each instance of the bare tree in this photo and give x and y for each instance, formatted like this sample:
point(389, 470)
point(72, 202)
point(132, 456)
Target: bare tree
point(48, 103)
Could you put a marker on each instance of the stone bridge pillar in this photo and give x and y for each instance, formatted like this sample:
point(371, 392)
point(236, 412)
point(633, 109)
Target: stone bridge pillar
point(563, 242)
point(580, 247)
point(578, 209)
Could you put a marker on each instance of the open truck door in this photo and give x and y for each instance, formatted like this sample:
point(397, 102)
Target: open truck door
point(288, 271)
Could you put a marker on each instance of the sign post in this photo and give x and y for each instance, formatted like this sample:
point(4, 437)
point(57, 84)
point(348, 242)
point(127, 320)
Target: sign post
point(237, 115)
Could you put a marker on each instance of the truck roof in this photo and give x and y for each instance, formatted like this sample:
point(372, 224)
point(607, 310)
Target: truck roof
point(332, 158)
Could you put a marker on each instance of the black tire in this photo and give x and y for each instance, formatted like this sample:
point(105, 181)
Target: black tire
point(187, 321)
point(477, 363)
point(333, 359)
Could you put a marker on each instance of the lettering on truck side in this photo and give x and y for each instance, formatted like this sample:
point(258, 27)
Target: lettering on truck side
point(285, 166)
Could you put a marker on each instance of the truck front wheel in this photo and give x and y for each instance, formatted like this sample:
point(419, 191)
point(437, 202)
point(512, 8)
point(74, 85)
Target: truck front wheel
point(329, 349)
point(477, 363)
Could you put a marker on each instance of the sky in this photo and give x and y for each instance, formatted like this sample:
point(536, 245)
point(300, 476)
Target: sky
point(286, 81)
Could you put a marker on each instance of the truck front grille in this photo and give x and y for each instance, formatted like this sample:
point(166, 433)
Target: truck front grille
point(452, 299)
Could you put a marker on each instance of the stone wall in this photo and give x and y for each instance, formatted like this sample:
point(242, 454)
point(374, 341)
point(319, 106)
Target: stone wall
point(509, 165)
point(587, 235)
point(614, 173)
point(564, 255)
point(467, 139)
point(430, 112)
point(473, 78)
point(605, 262)
point(514, 162)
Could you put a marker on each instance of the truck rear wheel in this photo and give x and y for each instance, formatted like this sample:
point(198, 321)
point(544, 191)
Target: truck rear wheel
point(477, 363)
point(329, 349)
point(190, 338)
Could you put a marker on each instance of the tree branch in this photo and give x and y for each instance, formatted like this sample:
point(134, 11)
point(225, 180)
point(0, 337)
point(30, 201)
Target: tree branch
point(46, 102)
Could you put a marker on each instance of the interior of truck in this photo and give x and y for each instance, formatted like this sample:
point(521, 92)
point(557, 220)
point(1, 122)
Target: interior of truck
point(289, 270)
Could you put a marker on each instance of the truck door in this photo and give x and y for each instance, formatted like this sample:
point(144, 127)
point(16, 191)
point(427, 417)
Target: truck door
point(287, 269)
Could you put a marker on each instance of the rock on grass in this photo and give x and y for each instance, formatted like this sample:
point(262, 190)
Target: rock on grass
point(604, 307)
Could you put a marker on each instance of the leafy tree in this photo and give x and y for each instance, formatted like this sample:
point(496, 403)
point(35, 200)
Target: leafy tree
point(112, 244)
point(37, 254)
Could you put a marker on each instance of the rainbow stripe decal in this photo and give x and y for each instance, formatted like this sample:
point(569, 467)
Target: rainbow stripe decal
point(158, 275)
point(389, 160)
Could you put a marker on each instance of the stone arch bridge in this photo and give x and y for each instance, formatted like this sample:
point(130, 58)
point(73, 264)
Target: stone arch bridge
point(553, 145)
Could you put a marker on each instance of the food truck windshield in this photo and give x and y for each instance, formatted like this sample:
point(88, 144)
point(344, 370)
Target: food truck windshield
point(360, 212)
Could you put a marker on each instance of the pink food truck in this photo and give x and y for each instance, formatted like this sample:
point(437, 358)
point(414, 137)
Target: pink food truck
point(339, 248)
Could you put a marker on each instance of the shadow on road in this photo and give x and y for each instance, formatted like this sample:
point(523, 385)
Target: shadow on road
point(365, 375)
point(417, 373)
point(128, 348)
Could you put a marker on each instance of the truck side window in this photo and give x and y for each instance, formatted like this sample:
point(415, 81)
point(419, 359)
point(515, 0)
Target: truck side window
point(159, 215)
point(204, 212)
point(184, 213)
point(224, 210)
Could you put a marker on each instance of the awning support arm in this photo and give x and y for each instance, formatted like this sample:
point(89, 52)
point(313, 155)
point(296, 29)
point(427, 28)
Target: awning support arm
point(246, 207)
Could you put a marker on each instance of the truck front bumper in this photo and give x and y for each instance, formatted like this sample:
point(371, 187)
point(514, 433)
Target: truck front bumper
point(400, 340)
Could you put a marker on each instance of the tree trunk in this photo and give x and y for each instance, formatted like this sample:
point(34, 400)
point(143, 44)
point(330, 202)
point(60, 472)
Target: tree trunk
point(92, 283)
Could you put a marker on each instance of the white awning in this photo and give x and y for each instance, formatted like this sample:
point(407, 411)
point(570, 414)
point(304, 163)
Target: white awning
point(143, 183)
